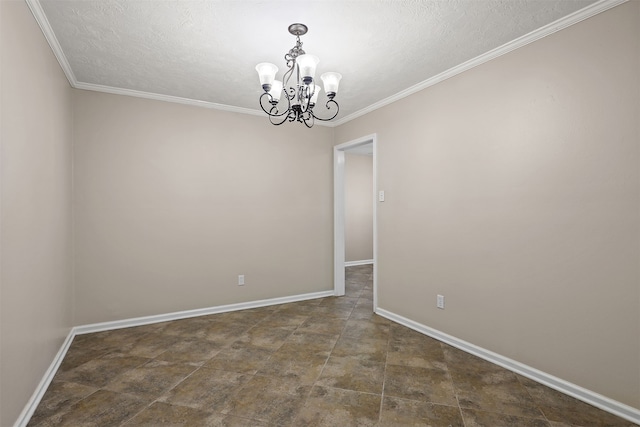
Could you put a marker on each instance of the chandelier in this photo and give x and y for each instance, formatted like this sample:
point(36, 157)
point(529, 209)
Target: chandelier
point(294, 98)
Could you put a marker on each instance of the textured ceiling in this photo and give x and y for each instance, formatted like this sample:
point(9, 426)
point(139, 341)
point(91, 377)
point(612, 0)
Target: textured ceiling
point(207, 50)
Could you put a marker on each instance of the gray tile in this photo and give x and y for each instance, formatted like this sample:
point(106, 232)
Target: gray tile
point(334, 407)
point(423, 353)
point(185, 328)
point(98, 372)
point(475, 418)
point(371, 349)
point(357, 329)
point(320, 324)
point(305, 342)
point(164, 414)
point(240, 357)
point(494, 391)
point(272, 400)
point(277, 320)
point(102, 408)
point(59, 398)
point(401, 412)
point(224, 332)
point(206, 388)
point(152, 345)
point(420, 384)
point(304, 367)
point(191, 350)
point(150, 380)
point(562, 408)
point(353, 373)
point(266, 337)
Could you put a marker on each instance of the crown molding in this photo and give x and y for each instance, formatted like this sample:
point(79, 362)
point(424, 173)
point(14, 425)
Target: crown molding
point(43, 22)
point(173, 99)
point(531, 37)
point(166, 98)
point(574, 18)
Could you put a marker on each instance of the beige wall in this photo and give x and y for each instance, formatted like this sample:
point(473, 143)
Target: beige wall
point(513, 189)
point(173, 202)
point(35, 217)
point(358, 187)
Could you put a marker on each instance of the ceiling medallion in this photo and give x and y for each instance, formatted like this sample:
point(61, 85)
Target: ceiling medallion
point(297, 85)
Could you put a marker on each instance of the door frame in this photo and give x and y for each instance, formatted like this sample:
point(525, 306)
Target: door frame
point(339, 214)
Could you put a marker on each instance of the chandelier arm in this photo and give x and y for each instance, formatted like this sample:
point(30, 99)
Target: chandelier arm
point(284, 116)
point(331, 101)
point(288, 74)
point(288, 97)
point(271, 112)
point(309, 119)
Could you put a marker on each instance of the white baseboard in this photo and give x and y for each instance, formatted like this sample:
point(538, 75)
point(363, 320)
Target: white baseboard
point(361, 262)
point(592, 398)
point(139, 321)
point(33, 403)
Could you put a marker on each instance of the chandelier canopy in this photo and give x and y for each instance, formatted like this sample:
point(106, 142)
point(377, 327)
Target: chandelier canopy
point(298, 86)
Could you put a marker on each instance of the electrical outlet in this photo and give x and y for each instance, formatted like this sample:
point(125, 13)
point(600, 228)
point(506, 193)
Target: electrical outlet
point(240, 279)
point(440, 301)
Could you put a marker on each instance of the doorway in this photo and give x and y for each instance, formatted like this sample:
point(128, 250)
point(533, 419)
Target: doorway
point(339, 165)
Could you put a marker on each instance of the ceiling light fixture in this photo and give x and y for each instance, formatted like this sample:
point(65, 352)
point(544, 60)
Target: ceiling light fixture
point(298, 86)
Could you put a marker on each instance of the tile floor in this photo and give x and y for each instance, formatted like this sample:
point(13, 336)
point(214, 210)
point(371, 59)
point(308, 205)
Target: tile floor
point(325, 362)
